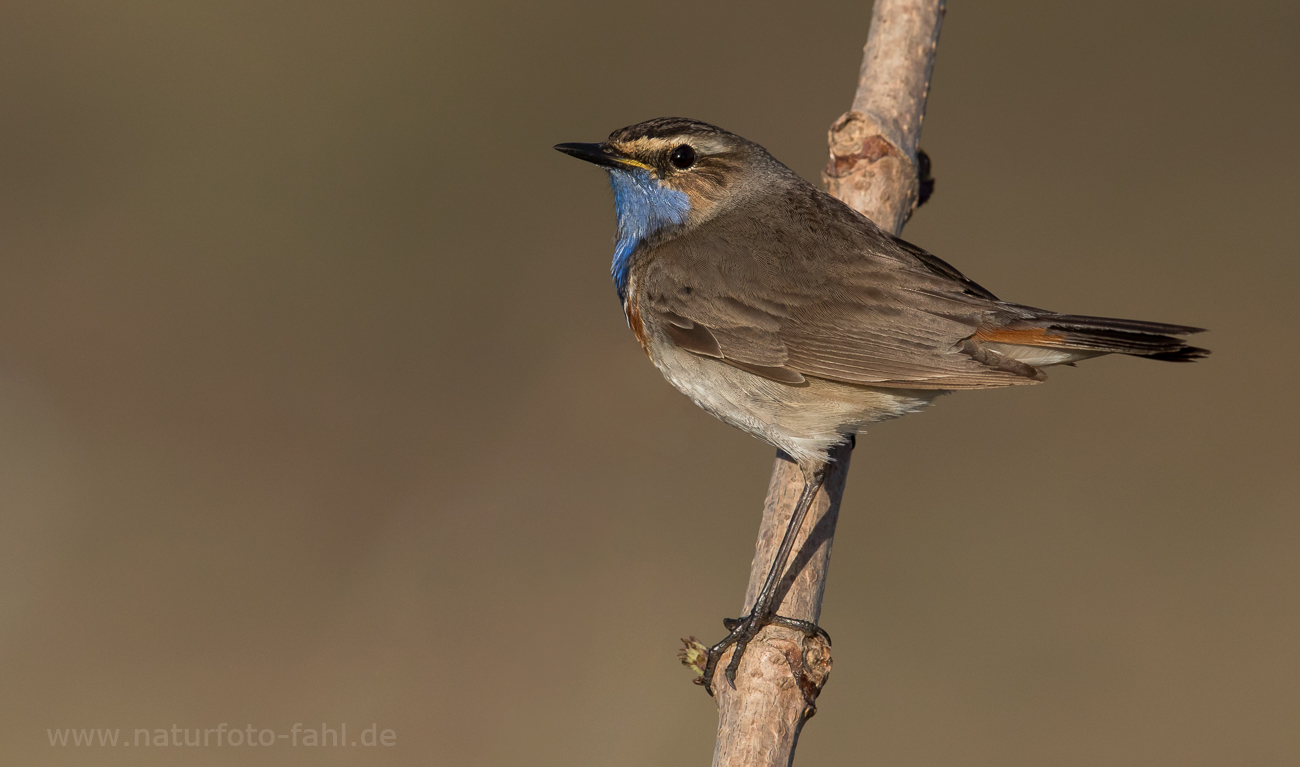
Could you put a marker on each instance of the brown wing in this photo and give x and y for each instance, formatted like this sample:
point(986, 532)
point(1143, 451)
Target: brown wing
point(845, 302)
point(943, 268)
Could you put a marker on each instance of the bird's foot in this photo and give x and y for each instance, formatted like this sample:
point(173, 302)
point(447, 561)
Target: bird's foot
point(743, 631)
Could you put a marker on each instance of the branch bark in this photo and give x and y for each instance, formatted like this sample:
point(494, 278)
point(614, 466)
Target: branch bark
point(873, 167)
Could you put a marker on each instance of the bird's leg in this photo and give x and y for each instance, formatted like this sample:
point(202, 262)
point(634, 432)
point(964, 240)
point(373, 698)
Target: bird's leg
point(743, 630)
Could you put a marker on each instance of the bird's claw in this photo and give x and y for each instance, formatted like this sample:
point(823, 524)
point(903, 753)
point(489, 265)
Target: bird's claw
point(742, 632)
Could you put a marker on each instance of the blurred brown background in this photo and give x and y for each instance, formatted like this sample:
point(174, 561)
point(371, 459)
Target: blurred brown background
point(317, 404)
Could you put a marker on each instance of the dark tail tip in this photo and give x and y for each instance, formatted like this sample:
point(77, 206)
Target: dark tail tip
point(1153, 340)
point(1185, 354)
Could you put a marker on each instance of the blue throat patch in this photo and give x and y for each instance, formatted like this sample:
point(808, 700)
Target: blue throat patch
point(643, 208)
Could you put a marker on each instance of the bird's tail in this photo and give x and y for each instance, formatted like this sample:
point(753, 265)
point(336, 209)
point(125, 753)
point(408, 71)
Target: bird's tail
point(1078, 337)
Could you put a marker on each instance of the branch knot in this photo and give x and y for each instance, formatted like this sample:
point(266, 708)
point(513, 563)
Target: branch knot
point(854, 139)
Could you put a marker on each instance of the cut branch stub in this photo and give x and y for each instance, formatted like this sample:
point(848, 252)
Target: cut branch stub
point(870, 172)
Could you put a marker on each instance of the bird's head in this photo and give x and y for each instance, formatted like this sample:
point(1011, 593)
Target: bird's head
point(672, 172)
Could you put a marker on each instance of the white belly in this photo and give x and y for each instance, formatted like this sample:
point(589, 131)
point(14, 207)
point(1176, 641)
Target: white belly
point(805, 420)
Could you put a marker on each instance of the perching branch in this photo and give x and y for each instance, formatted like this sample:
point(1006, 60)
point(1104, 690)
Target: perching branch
point(873, 168)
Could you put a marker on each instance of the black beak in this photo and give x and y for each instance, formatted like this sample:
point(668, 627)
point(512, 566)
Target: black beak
point(599, 154)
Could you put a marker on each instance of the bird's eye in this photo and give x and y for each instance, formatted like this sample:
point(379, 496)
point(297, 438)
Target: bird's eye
point(682, 157)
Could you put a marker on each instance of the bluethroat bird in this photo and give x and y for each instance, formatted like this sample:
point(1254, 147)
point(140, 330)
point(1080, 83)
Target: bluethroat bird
point(789, 315)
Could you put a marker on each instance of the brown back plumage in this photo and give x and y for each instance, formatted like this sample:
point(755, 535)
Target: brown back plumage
point(845, 301)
